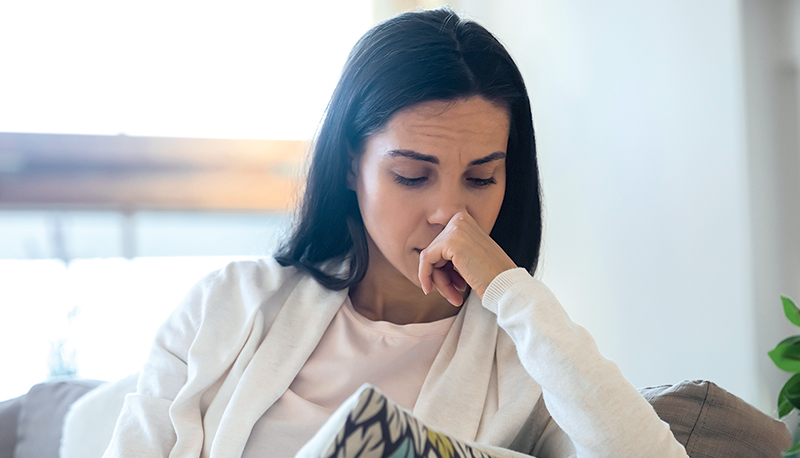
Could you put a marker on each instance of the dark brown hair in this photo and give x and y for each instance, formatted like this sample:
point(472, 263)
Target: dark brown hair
point(412, 58)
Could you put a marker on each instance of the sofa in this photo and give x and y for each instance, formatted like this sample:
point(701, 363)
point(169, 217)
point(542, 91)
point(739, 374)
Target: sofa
point(75, 418)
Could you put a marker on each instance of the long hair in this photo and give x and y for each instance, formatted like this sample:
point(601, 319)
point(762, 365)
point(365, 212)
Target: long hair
point(412, 58)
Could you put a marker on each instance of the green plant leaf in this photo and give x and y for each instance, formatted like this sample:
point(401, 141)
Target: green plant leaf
point(791, 450)
point(789, 397)
point(791, 311)
point(784, 406)
point(787, 354)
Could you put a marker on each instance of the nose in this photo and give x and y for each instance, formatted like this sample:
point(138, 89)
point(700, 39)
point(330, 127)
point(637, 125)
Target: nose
point(445, 203)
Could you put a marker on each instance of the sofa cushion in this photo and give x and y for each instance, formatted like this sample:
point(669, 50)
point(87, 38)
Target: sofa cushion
point(712, 423)
point(90, 422)
point(9, 412)
point(42, 413)
point(707, 420)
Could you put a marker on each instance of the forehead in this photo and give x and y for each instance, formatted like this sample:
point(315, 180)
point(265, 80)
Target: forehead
point(467, 128)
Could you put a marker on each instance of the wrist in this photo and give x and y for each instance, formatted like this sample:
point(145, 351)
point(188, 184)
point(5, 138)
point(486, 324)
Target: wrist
point(500, 284)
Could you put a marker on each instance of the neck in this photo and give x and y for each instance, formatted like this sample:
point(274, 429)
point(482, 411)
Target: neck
point(393, 298)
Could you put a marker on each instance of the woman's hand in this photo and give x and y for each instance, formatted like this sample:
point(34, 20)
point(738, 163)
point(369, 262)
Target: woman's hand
point(462, 254)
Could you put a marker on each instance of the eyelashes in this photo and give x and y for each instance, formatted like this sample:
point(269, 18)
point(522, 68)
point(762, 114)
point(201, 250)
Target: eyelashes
point(419, 181)
point(410, 182)
point(482, 182)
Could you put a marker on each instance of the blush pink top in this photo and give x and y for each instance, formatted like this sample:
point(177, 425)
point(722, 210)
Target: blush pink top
point(353, 351)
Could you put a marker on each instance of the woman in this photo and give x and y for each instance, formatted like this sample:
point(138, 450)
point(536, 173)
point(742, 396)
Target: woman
point(408, 268)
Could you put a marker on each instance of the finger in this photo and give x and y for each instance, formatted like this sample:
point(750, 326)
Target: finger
point(430, 259)
point(441, 279)
point(457, 280)
point(425, 273)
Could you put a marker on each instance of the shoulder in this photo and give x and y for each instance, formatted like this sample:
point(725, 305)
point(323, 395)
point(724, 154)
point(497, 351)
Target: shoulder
point(262, 276)
point(234, 293)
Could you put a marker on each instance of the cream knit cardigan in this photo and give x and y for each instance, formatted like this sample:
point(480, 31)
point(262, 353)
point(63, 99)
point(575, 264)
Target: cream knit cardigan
point(242, 334)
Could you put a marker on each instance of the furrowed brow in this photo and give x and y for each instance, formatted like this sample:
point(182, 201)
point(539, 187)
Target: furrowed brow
point(413, 155)
point(492, 157)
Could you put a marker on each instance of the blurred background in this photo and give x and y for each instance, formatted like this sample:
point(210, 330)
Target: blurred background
point(144, 144)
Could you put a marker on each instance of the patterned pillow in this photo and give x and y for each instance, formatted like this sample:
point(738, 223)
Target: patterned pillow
point(369, 425)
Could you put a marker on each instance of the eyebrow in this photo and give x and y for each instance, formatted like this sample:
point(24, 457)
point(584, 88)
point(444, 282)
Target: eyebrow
point(496, 156)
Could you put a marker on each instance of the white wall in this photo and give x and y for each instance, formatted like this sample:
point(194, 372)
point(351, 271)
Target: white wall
point(771, 37)
point(639, 110)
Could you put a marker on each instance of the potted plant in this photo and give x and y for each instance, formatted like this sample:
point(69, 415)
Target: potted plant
point(786, 355)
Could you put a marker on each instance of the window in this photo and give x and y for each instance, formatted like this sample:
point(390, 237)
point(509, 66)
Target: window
point(142, 145)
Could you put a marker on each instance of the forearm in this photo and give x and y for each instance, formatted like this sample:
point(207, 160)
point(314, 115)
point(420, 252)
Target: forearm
point(586, 394)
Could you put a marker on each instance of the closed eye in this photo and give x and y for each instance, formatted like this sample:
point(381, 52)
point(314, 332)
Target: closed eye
point(482, 182)
point(410, 182)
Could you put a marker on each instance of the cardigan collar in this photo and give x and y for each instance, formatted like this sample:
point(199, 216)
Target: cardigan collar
point(291, 339)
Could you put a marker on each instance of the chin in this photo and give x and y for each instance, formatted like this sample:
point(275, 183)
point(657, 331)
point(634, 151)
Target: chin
point(412, 275)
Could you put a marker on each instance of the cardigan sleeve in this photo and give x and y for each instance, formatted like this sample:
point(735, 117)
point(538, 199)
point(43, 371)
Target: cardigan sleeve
point(587, 396)
point(144, 427)
point(192, 351)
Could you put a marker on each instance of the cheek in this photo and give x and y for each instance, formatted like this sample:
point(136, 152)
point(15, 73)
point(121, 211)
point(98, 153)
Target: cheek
point(386, 213)
point(486, 212)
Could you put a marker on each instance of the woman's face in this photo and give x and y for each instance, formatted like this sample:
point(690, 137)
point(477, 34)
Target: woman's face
point(429, 162)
